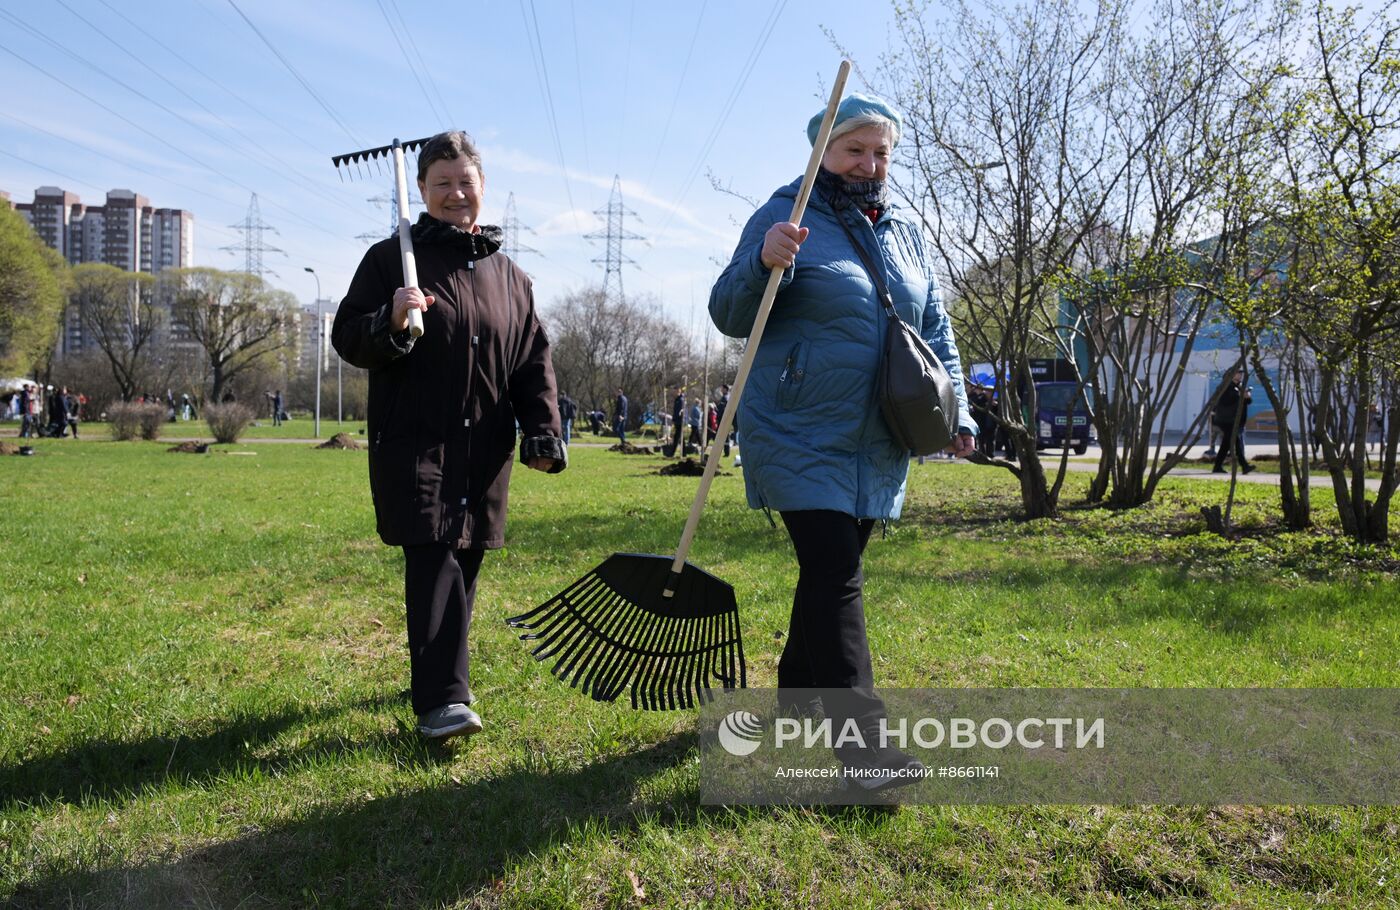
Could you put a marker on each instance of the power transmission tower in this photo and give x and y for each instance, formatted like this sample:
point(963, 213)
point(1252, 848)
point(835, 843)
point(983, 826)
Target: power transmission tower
point(253, 246)
point(391, 198)
point(510, 229)
point(613, 259)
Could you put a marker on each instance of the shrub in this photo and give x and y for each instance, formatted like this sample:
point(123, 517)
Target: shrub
point(129, 419)
point(227, 421)
point(122, 420)
point(152, 417)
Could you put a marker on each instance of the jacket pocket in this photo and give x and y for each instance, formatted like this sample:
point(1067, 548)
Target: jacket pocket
point(790, 381)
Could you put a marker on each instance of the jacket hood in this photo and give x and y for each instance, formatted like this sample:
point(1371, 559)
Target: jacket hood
point(485, 241)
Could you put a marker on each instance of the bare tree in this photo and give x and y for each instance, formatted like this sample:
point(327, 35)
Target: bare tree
point(118, 313)
point(598, 347)
point(234, 318)
point(1011, 173)
point(1197, 114)
point(1343, 210)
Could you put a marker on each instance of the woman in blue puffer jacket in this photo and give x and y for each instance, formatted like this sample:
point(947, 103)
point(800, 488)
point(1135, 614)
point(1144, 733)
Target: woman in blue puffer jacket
point(815, 446)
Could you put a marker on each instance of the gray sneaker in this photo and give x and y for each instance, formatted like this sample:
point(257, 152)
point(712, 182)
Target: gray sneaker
point(454, 719)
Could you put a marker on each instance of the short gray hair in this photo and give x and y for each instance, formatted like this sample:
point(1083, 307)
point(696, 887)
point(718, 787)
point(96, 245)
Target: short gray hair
point(850, 124)
point(446, 147)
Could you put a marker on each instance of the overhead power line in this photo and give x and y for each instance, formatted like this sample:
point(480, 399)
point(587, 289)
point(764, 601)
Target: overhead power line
point(680, 83)
point(408, 61)
point(217, 83)
point(578, 84)
point(296, 75)
point(537, 55)
point(427, 70)
point(283, 168)
point(755, 53)
point(161, 141)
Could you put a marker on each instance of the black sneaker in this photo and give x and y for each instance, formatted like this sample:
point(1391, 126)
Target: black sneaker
point(1247, 468)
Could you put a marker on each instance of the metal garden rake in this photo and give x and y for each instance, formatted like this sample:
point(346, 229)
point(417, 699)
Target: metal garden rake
point(396, 150)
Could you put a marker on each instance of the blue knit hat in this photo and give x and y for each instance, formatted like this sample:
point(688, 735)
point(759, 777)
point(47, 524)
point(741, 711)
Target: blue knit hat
point(854, 105)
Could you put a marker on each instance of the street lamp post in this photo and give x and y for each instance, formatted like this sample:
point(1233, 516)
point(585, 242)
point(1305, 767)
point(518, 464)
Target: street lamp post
point(320, 340)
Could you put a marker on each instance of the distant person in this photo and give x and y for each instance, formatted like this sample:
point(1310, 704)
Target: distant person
point(693, 422)
point(983, 406)
point(568, 410)
point(277, 408)
point(26, 411)
point(620, 417)
point(58, 414)
point(70, 411)
point(720, 408)
point(677, 421)
point(443, 411)
point(1231, 409)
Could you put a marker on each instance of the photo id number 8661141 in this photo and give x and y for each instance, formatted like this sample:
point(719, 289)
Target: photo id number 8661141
point(969, 771)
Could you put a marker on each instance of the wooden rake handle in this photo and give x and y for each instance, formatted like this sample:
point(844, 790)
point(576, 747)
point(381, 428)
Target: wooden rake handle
point(770, 292)
point(410, 264)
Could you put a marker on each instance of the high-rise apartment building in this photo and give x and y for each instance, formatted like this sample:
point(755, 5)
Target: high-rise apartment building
point(126, 232)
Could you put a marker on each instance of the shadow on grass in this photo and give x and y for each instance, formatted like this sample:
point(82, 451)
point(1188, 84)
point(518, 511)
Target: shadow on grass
point(121, 770)
point(416, 849)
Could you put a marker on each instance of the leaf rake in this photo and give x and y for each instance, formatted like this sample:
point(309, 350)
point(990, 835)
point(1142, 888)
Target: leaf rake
point(658, 626)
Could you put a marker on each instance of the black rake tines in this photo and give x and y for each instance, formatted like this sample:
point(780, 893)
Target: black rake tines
point(614, 630)
point(373, 157)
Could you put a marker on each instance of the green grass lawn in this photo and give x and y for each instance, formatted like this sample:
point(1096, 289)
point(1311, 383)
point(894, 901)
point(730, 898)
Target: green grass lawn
point(202, 674)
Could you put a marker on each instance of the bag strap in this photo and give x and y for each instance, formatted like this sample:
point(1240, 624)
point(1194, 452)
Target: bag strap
point(884, 292)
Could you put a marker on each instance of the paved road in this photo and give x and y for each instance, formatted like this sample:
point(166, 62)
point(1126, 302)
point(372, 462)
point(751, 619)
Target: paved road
point(1267, 472)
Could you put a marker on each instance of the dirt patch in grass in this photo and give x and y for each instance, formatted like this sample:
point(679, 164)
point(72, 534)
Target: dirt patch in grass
point(190, 448)
point(686, 467)
point(341, 441)
point(626, 448)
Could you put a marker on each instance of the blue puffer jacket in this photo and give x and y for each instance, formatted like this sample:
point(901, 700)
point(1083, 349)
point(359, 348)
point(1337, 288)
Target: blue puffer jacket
point(809, 421)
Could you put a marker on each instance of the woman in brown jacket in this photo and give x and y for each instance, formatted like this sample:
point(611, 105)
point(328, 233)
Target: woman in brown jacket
point(443, 410)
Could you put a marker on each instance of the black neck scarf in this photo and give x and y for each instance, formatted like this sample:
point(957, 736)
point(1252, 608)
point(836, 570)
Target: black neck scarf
point(866, 195)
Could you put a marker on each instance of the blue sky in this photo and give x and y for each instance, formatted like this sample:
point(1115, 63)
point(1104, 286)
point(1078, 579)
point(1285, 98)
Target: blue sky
point(637, 90)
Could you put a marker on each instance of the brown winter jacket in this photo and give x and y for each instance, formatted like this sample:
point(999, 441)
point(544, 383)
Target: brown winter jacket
point(443, 408)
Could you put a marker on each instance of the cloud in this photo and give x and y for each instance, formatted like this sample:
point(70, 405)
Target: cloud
point(571, 223)
point(633, 193)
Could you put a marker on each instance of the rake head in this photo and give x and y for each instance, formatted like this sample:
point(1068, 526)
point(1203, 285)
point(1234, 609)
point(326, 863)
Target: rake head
point(344, 163)
point(613, 629)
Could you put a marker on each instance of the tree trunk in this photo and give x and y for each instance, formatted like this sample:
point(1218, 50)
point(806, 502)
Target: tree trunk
point(1038, 500)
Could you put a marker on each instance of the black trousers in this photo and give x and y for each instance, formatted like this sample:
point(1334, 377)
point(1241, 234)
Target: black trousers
point(439, 591)
point(826, 646)
point(1232, 438)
